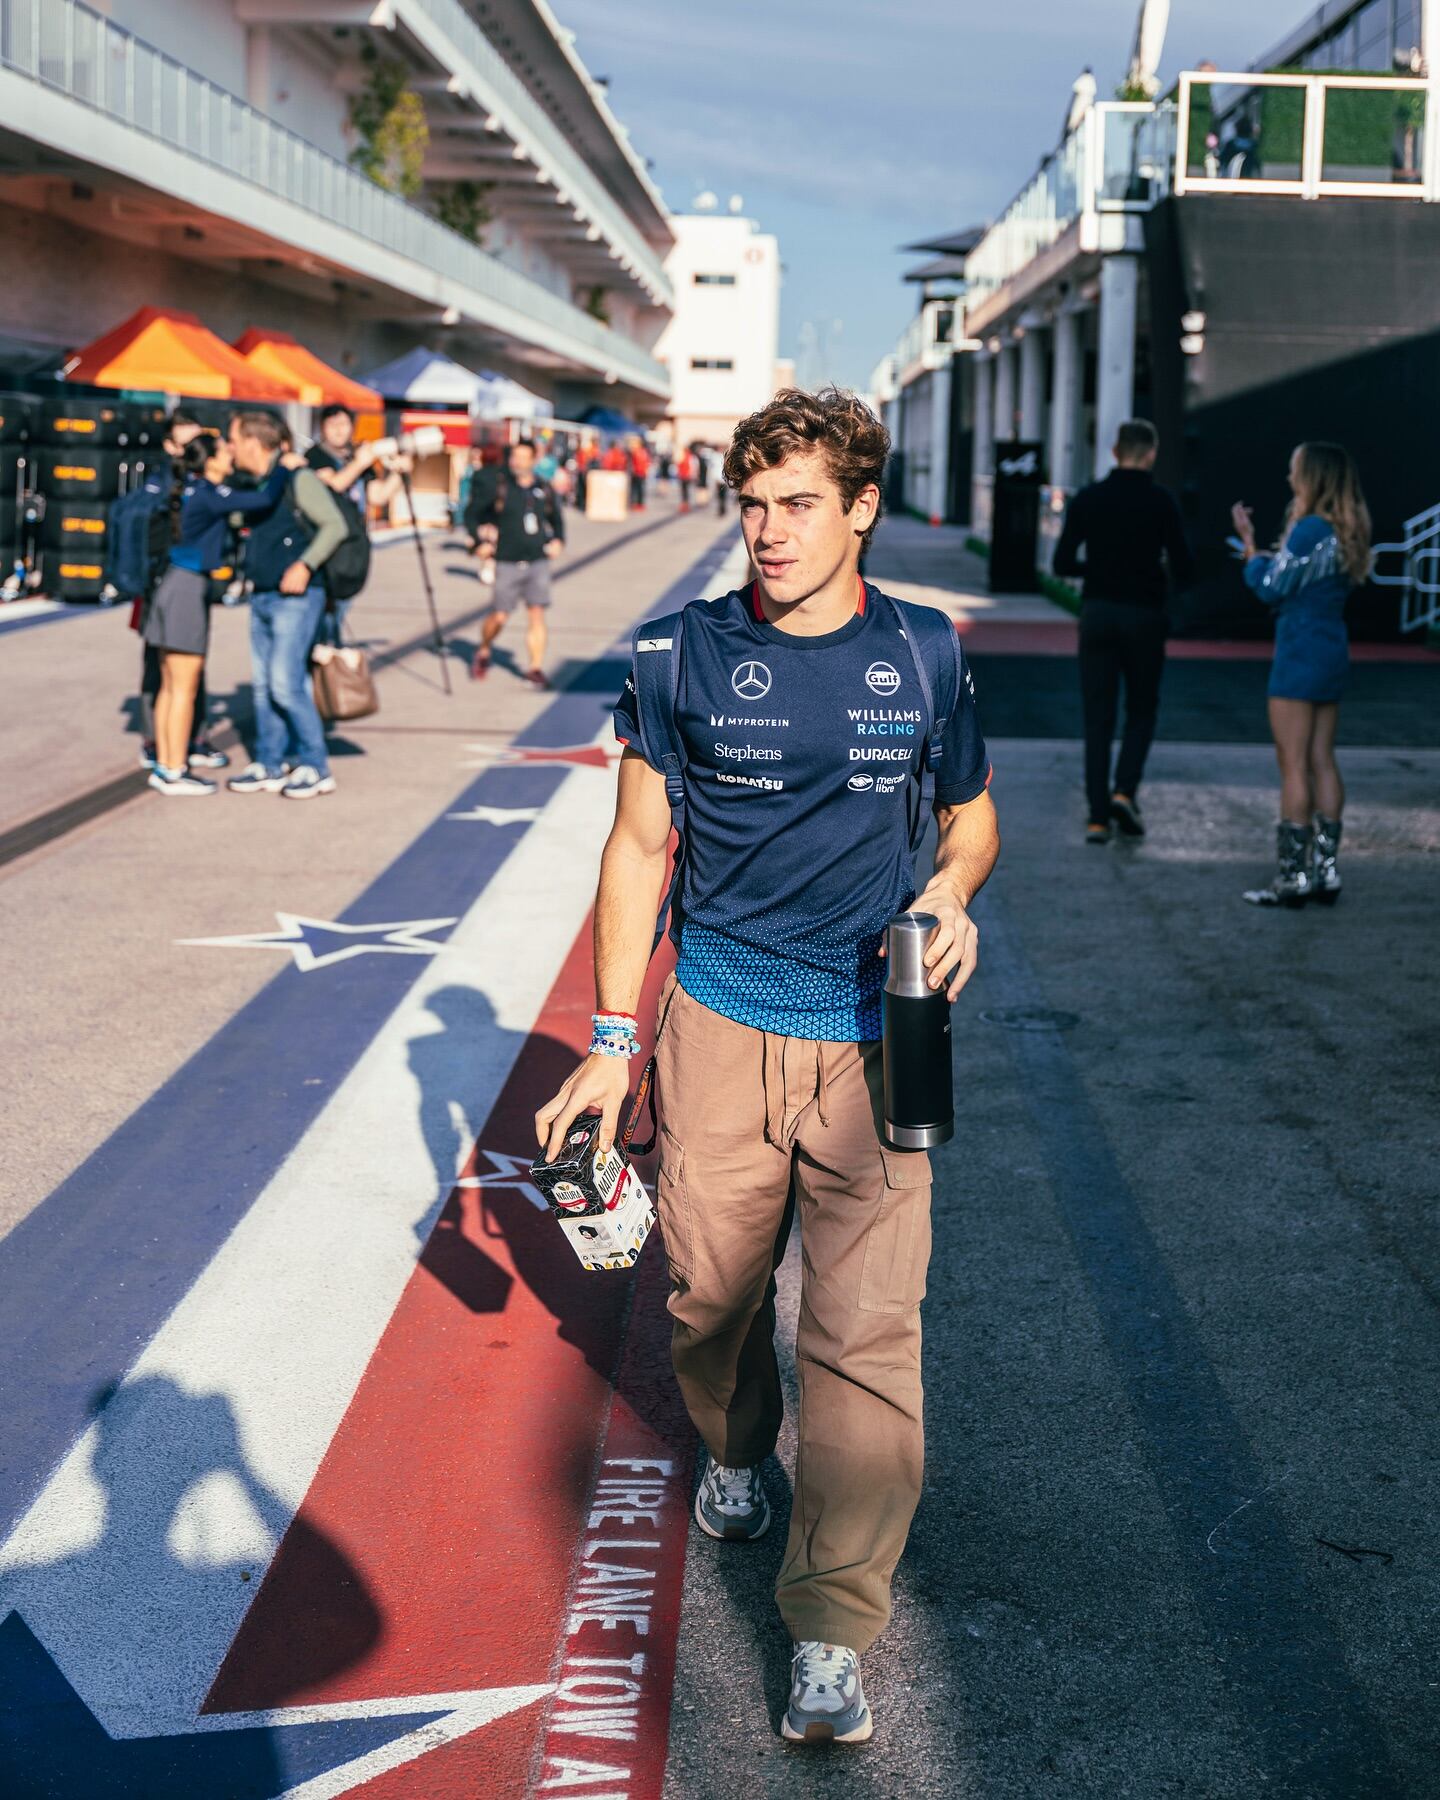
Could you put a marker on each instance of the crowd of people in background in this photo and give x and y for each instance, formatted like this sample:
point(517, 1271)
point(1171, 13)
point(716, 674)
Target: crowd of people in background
point(301, 516)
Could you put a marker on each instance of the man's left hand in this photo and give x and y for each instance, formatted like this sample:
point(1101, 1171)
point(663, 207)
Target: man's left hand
point(554, 548)
point(296, 579)
point(954, 941)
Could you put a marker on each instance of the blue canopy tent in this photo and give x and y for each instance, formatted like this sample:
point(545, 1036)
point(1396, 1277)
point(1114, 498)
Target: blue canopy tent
point(426, 378)
point(609, 422)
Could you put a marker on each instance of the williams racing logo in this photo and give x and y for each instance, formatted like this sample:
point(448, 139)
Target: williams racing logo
point(885, 721)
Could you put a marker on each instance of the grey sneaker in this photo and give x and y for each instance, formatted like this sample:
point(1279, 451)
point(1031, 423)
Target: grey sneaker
point(827, 1702)
point(731, 1504)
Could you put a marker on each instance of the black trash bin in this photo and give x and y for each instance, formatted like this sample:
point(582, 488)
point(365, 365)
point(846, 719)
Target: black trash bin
point(1015, 523)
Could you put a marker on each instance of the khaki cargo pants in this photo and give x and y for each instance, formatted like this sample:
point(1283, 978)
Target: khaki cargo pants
point(743, 1112)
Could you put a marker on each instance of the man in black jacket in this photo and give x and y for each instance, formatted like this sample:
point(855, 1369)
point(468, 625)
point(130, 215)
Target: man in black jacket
point(515, 517)
point(1130, 529)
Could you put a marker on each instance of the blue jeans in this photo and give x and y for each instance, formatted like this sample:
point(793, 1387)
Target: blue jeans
point(287, 724)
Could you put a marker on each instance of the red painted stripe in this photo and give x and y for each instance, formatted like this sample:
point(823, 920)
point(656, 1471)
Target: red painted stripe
point(460, 1483)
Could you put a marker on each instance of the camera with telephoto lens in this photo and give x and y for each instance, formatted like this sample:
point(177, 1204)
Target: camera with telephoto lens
point(600, 1202)
point(424, 440)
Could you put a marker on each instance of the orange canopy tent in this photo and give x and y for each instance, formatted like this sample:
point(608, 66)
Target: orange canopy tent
point(277, 353)
point(158, 349)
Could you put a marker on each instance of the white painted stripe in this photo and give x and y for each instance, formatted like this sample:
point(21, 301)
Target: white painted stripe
point(28, 609)
point(734, 571)
point(128, 1565)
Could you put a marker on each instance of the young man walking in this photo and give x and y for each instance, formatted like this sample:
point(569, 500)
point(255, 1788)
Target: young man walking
point(805, 725)
point(516, 518)
point(284, 554)
point(1130, 530)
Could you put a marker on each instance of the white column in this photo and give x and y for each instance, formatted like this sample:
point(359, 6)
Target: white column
point(940, 444)
point(257, 67)
point(1115, 380)
point(1032, 383)
point(982, 455)
point(1065, 402)
point(1005, 394)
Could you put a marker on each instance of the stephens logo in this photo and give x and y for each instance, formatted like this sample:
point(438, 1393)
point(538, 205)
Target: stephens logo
point(751, 680)
point(880, 678)
point(748, 753)
point(860, 784)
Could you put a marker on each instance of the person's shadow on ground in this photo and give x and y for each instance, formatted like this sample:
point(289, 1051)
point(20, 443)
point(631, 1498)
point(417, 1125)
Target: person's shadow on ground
point(187, 1529)
point(500, 1206)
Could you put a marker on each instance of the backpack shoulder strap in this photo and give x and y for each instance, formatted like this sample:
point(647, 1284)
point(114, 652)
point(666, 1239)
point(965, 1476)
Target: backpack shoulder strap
point(656, 661)
point(934, 646)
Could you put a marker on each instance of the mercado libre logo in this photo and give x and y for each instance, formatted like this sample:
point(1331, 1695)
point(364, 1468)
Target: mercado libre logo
point(751, 681)
point(880, 678)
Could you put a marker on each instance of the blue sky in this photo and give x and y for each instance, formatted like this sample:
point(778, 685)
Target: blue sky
point(852, 127)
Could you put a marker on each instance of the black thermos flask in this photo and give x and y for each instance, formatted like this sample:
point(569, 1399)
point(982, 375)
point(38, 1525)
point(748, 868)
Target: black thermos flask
point(919, 1093)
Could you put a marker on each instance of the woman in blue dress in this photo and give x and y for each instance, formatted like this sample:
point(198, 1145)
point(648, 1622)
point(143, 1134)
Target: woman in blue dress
point(1324, 553)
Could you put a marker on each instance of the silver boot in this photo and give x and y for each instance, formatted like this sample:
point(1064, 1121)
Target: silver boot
point(1294, 884)
point(1325, 875)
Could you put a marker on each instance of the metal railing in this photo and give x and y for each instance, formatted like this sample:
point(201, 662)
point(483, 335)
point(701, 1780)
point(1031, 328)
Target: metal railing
point(69, 48)
point(1117, 159)
point(1419, 578)
point(1307, 136)
point(526, 120)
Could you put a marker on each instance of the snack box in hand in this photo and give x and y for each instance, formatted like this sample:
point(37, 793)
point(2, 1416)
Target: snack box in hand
point(599, 1200)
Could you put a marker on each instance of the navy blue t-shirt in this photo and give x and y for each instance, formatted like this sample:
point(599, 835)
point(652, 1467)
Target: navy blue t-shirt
point(803, 753)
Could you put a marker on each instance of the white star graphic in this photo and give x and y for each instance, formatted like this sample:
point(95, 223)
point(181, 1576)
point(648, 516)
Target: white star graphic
point(506, 1172)
point(404, 937)
point(498, 815)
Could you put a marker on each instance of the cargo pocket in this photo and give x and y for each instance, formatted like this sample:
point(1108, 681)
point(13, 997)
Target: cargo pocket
point(673, 1205)
point(897, 1246)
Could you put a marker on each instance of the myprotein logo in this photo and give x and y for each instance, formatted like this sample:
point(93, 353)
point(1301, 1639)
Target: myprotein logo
point(748, 753)
point(749, 721)
point(860, 784)
point(766, 783)
point(751, 680)
point(880, 678)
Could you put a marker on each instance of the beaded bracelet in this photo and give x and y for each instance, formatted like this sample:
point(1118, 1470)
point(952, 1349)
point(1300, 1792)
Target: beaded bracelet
point(614, 1034)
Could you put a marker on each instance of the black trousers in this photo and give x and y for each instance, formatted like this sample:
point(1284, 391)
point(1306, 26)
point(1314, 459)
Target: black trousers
point(1118, 642)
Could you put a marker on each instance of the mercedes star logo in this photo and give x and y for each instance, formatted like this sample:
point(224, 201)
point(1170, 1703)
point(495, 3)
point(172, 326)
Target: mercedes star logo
point(751, 681)
point(880, 678)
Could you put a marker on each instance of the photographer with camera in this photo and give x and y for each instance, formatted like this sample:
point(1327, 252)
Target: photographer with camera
point(284, 554)
point(352, 469)
point(793, 730)
point(516, 519)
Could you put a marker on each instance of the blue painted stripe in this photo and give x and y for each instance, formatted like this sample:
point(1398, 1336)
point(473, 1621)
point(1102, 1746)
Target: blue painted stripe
point(87, 1279)
point(1269, 1636)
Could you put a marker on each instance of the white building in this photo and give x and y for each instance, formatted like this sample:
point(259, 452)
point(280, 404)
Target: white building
point(199, 153)
point(722, 344)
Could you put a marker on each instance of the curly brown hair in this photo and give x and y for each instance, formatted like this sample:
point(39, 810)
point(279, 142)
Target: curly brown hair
point(838, 423)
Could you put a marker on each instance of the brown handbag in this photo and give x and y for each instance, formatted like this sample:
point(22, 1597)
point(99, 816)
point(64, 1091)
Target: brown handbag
point(344, 685)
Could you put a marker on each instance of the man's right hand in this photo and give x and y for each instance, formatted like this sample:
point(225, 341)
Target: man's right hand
point(601, 1084)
